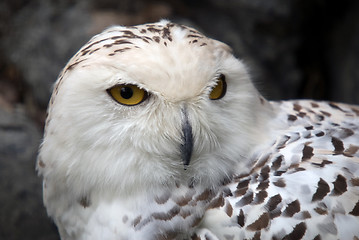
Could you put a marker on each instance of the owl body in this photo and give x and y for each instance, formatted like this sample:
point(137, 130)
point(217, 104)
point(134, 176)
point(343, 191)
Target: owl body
point(157, 132)
point(303, 185)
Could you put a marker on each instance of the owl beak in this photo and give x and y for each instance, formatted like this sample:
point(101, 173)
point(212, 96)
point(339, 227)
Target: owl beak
point(187, 138)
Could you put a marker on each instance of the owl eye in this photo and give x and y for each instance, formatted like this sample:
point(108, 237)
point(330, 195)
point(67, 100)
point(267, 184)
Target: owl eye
point(128, 94)
point(220, 89)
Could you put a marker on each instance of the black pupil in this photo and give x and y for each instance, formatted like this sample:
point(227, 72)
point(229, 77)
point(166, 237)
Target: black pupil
point(126, 92)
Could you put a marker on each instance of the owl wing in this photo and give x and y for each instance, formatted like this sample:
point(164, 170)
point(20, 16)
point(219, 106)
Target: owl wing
point(303, 185)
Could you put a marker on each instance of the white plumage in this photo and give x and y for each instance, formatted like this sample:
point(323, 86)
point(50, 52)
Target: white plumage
point(157, 132)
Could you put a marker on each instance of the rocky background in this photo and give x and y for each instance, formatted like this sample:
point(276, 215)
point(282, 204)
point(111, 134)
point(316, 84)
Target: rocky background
point(295, 49)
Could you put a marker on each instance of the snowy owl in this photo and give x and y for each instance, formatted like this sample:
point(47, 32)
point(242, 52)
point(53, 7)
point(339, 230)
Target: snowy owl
point(157, 132)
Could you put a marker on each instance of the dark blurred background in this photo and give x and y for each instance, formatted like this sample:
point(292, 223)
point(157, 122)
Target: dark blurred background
point(295, 49)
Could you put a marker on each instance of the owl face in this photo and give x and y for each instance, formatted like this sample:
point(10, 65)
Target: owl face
point(163, 106)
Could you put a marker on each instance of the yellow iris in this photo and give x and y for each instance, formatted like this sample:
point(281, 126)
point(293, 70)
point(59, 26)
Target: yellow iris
point(128, 94)
point(220, 89)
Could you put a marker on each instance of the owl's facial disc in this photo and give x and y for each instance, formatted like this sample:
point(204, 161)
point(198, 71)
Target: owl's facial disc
point(187, 138)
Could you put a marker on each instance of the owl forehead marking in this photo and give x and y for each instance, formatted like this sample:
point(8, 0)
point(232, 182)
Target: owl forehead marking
point(122, 39)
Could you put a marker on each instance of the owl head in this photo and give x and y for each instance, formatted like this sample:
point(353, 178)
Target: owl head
point(149, 106)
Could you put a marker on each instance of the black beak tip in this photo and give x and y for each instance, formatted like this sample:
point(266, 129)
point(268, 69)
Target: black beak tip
point(186, 150)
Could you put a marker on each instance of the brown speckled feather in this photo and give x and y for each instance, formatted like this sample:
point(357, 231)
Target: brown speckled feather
point(307, 185)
